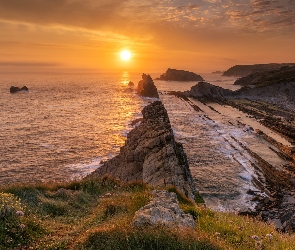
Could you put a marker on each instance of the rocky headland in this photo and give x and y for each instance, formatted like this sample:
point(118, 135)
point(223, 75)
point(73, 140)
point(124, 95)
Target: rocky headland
point(244, 70)
point(152, 155)
point(284, 74)
point(146, 87)
point(179, 75)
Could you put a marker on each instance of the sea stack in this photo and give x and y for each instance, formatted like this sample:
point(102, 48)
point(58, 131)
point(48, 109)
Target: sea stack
point(146, 87)
point(14, 89)
point(179, 75)
point(152, 155)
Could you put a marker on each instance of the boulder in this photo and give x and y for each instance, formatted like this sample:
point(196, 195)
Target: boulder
point(152, 155)
point(179, 75)
point(208, 90)
point(25, 88)
point(163, 210)
point(146, 87)
point(14, 89)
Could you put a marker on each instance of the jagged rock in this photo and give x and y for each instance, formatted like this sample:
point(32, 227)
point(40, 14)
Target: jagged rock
point(14, 89)
point(208, 90)
point(152, 155)
point(163, 210)
point(179, 75)
point(146, 87)
point(25, 88)
point(244, 70)
point(278, 224)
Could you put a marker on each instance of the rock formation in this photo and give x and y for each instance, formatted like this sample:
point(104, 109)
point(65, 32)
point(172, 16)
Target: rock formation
point(244, 70)
point(283, 75)
point(152, 155)
point(179, 75)
point(146, 87)
point(14, 89)
point(163, 210)
point(208, 90)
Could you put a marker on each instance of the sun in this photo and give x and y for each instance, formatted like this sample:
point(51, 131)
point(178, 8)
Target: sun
point(125, 55)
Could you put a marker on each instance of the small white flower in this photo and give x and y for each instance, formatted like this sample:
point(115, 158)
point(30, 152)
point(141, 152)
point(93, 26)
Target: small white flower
point(22, 226)
point(20, 213)
point(269, 236)
point(255, 237)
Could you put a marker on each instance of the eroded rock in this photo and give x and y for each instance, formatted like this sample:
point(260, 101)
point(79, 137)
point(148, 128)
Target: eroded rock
point(146, 87)
point(152, 155)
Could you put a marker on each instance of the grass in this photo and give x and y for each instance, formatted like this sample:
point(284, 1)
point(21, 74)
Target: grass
point(97, 213)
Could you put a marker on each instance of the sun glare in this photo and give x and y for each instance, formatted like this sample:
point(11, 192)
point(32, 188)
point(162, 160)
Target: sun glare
point(125, 55)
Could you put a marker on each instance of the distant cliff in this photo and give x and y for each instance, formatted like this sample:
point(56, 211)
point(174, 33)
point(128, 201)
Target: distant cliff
point(244, 70)
point(146, 87)
point(283, 75)
point(179, 75)
point(152, 155)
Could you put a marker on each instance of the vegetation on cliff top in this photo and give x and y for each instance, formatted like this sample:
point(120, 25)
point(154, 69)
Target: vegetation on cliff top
point(97, 213)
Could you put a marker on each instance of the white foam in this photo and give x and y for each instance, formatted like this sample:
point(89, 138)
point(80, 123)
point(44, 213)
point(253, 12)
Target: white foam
point(85, 168)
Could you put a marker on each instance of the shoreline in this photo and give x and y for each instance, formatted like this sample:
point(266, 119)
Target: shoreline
point(274, 171)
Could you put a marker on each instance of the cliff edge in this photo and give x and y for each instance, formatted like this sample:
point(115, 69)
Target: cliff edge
point(152, 155)
point(244, 70)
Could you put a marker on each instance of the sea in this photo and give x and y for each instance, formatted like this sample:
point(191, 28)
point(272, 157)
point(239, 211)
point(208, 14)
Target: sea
point(68, 123)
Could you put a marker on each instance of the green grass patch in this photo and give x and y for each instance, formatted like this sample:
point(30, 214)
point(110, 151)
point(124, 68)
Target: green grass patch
point(96, 213)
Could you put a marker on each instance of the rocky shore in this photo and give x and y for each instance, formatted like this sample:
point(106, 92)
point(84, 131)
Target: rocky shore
point(152, 155)
point(270, 101)
point(244, 70)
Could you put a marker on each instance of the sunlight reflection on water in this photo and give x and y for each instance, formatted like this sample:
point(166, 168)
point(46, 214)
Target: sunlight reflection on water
point(63, 120)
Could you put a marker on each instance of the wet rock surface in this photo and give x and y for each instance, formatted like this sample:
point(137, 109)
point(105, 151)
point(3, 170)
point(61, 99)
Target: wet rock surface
point(152, 155)
point(179, 75)
point(146, 87)
point(277, 208)
point(163, 210)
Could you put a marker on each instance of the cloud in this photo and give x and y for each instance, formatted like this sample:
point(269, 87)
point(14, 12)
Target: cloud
point(28, 64)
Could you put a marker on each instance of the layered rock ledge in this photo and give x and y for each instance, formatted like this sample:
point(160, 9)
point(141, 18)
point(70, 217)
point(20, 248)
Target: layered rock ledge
point(152, 155)
point(179, 75)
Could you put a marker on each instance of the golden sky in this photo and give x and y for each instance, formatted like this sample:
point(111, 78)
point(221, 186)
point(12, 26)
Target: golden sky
point(200, 36)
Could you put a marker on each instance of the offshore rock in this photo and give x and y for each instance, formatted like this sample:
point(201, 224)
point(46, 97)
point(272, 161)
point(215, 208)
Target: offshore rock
point(208, 90)
point(179, 75)
point(146, 87)
point(14, 89)
point(152, 155)
point(163, 210)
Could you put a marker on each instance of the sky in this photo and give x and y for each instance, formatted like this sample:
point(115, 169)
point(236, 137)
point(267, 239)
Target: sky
point(200, 36)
